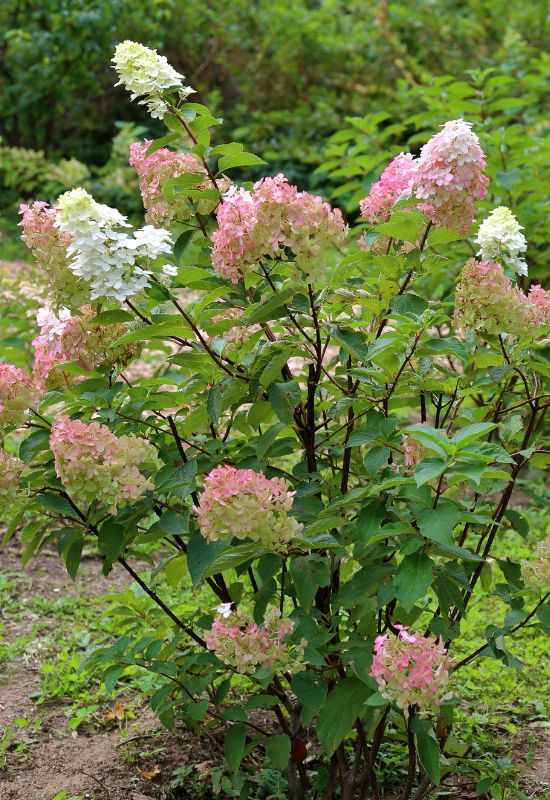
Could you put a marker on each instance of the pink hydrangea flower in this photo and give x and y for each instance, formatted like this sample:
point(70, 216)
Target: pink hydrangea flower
point(17, 394)
point(49, 247)
point(95, 465)
point(239, 642)
point(273, 221)
point(411, 669)
point(162, 165)
point(486, 301)
point(449, 176)
point(10, 470)
point(412, 451)
point(396, 180)
point(536, 574)
point(78, 338)
point(247, 505)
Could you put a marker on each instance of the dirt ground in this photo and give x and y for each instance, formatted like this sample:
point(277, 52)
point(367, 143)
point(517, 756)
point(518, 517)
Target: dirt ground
point(88, 762)
point(97, 763)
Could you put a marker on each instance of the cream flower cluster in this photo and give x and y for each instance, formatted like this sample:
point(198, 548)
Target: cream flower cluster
point(10, 470)
point(102, 255)
point(500, 239)
point(48, 245)
point(77, 338)
point(146, 74)
point(536, 574)
point(411, 669)
point(487, 301)
point(17, 394)
point(95, 465)
point(241, 643)
point(246, 504)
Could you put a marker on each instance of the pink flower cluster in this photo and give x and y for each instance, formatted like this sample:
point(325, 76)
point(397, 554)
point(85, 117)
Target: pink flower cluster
point(245, 504)
point(75, 338)
point(410, 669)
point(486, 301)
point(412, 451)
point(17, 394)
point(536, 574)
point(447, 177)
point(10, 470)
point(396, 179)
point(157, 168)
point(49, 247)
point(274, 220)
point(95, 465)
point(239, 642)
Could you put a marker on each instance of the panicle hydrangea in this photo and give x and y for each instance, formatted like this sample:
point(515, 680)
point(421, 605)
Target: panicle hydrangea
point(412, 451)
point(10, 470)
point(239, 642)
point(17, 394)
point(49, 247)
point(396, 180)
point(157, 168)
point(95, 465)
point(146, 74)
point(500, 238)
point(75, 338)
point(449, 176)
point(536, 574)
point(411, 669)
point(486, 301)
point(101, 254)
point(274, 220)
point(246, 504)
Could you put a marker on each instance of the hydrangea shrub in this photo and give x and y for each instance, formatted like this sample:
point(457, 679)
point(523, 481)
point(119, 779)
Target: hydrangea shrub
point(266, 399)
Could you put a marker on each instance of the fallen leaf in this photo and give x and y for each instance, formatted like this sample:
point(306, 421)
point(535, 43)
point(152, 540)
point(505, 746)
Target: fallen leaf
point(150, 775)
point(116, 713)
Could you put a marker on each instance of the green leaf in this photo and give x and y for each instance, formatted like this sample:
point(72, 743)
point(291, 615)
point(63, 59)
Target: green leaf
point(376, 700)
point(232, 557)
point(427, 747)
point(413, 578)
point(111, 677)
point(113, 317)
point(308, 574)
point(70, 548)
point(277, 749)
point(110, 541)
point(428, 469)
point(402, 225)
point(239, 160)
point(310, 689)
point(269, 309)
point(284, 397)
point(339, 711)
point(37, 442)
point(472, 432)
point(437, 524)
point(201, 555)
point(234, 744)
point(353, 342)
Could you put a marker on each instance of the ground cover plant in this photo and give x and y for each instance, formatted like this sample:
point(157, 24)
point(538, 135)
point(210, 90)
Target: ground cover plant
point(321, 428)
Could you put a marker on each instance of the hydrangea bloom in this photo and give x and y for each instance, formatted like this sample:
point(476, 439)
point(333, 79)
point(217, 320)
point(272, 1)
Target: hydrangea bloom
point(396, 180)
point(536, 574)
point(245, 504)
point(10, 470)
point(412, 451)
point(411, 669)
point(95, 465)
point(75, 338)
point(145, 73)
point(158, 167)
point(449, 176)
point(49, 247)
point(500, 239)
point(239, 642)
point(487, 301)
point(17, 394)
point(274, 220)
point(102, 255)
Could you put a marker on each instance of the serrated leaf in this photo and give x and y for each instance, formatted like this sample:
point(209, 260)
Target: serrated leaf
point(339, 711)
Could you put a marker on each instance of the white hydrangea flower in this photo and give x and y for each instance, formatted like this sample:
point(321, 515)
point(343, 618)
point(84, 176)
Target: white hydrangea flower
point(103, 255)
point(52, 325)
point(147, 74)
point(500, 239)
point(224, 609)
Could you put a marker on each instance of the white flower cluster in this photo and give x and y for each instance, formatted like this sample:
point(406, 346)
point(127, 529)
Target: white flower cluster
point(500, 238)
point(103, 255)
point(146, 74)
